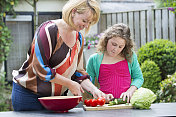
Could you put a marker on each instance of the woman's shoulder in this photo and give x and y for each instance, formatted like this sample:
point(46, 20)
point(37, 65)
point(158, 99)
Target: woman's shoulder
point(48, 26)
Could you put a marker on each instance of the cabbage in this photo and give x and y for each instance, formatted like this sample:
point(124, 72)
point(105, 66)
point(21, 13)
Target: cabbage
point(142, 98)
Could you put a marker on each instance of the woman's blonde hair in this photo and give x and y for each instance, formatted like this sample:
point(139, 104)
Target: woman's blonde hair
point(117, 30)
point(81, 6)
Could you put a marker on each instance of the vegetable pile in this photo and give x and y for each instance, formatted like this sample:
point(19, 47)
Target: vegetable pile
point(142, 98)
point(94, 102)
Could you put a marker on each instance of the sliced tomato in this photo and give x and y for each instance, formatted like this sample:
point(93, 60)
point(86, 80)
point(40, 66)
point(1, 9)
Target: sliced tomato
point(101, 101)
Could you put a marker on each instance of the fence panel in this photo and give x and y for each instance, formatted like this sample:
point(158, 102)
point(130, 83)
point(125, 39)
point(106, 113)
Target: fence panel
point(109, 20)
point(145, 25)
point(158, 24)
point(114, 18)
point(165, 23)
point(131, 23)
point(172, 26)
point(119, 17)
point(137, 29)
point(125, 18)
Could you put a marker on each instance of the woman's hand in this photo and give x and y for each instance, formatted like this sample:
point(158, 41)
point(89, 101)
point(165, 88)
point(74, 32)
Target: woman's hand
point(97, 93)
point(75, 88)
point(128, 94)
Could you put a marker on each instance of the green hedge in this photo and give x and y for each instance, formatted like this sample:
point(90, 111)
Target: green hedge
point(167, 92)
point(162, 52)
point(151, 74)
point(5, 94)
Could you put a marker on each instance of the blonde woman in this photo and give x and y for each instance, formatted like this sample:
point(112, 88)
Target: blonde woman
point(116, 65)
point(55, 59)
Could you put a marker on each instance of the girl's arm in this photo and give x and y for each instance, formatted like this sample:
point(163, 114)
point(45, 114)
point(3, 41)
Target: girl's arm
point(136, 73)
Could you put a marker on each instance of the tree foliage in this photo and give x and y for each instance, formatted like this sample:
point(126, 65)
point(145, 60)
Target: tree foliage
point(5, 41)
point(171, 4)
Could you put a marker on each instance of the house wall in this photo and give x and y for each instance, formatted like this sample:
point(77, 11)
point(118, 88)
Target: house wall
point(42, 6)
point(49, 6)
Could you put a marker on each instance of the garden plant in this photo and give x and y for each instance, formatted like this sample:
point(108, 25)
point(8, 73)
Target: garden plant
point(167, 92)
point(5, 41)
point(162, 52)
point(151, 74)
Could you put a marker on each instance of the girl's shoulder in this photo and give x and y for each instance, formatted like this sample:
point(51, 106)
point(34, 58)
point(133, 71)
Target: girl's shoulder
point(96, 55)
point(134, 55)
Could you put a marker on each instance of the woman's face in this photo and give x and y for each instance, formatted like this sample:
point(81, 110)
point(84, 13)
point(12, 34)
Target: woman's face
point(82, 21)
point(115, 46)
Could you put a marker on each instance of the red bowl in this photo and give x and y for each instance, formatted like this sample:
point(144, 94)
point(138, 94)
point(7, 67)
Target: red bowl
point(60, 103)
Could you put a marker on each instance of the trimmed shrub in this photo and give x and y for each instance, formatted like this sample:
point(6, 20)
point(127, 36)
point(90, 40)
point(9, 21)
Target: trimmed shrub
point(151, 74)
point(162, 52)
point(167, 92)
point(5, 95)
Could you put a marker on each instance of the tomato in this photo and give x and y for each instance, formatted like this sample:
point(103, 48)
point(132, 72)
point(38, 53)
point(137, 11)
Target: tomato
point(93, 102)
point(87, 102)
point(101, 101)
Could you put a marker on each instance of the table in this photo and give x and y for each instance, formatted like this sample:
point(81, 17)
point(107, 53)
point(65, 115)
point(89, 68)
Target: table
point(157, 109)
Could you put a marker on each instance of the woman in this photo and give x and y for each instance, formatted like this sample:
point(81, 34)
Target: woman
point(55, 59)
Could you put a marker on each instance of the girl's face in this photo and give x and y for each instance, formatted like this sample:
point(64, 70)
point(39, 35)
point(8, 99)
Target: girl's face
point(115, 46)
point(82, 21)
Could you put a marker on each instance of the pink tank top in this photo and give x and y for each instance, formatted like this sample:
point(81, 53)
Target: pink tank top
point(114, 78)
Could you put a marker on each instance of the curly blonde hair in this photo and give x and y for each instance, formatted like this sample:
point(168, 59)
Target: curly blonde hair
point(81, 6)
point(117, 30)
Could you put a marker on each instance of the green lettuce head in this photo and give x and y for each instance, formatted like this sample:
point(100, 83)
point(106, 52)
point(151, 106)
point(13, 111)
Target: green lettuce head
point(142, 98)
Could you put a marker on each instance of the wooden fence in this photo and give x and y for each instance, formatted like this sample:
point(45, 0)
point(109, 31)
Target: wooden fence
point(145, 25)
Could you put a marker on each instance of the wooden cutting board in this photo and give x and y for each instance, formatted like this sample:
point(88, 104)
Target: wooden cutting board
point(106, 107)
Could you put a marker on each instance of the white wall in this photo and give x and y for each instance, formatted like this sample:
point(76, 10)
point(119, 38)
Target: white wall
point(48, 6)
point(42, 5)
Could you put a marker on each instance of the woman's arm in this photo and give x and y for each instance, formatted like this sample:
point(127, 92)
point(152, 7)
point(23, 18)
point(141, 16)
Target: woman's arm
point(73, 86)
point(88, 86)
point(42, 49)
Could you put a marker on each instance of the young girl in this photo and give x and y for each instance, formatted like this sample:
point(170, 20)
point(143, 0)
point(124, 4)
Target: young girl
point(115, 65)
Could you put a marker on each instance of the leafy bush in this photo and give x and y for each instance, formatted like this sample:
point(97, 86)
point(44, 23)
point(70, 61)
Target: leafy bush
point(162, 52)
point(5, 42)
point(171, 4)
point(167, 92)
point(5, 95)
point(151, 74)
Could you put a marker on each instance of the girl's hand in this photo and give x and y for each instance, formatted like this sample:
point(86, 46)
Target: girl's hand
point(109, 97)
point(128, 94)
point(75, 88)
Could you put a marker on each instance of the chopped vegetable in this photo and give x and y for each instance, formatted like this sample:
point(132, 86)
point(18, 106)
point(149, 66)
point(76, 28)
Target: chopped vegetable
point(142, 98)
point(117, 101)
